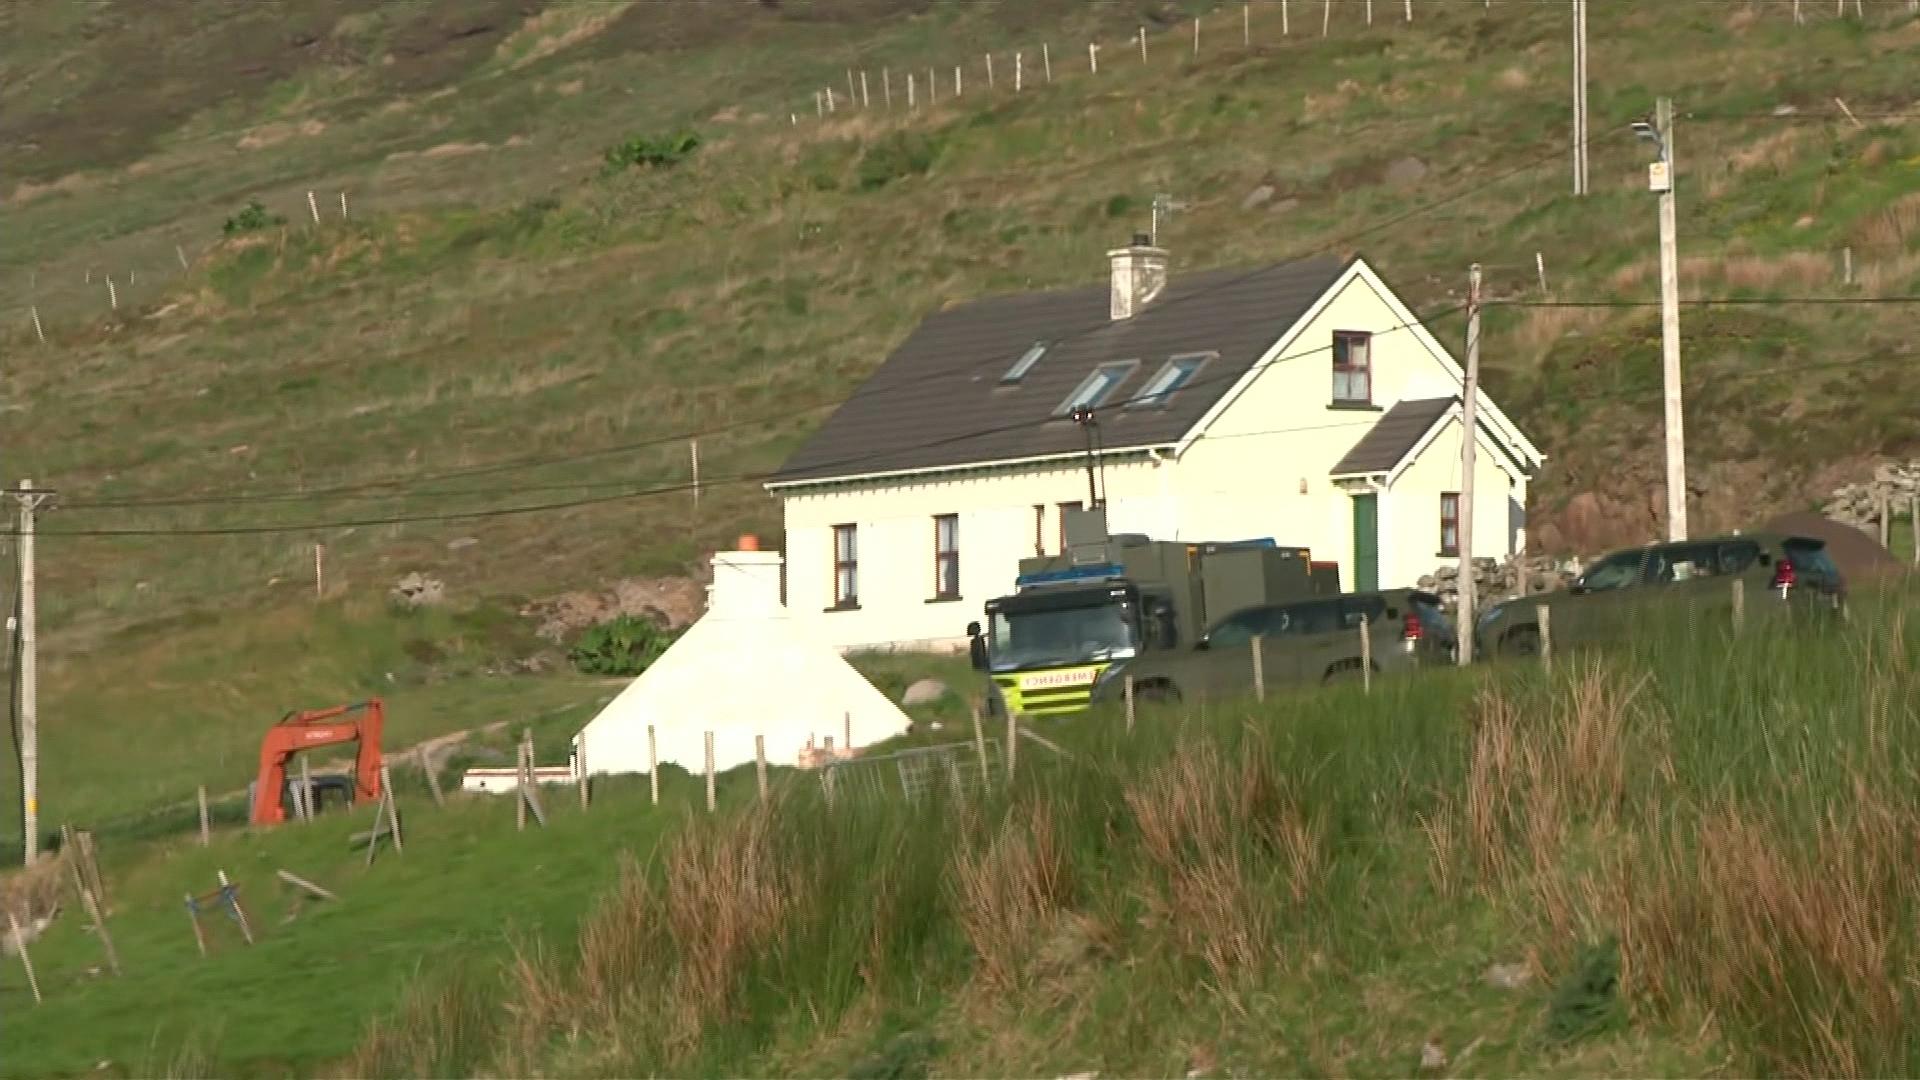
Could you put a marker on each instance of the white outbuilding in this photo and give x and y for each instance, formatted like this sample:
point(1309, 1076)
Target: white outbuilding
point(744, 669)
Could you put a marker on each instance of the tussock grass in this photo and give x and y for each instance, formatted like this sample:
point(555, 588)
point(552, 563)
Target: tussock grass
point(1725, 821)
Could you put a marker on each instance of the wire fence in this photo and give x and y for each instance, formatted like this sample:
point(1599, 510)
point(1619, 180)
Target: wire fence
point(959, 768)
point(134, 275)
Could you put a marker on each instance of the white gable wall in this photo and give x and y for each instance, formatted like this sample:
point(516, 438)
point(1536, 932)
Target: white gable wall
point(1281, 435)
point(1415, 498)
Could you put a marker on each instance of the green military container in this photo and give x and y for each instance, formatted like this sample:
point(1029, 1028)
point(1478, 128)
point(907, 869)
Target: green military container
point(1077, 617)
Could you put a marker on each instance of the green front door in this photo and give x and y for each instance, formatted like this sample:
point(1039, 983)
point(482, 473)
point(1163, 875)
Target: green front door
point(1366, 542)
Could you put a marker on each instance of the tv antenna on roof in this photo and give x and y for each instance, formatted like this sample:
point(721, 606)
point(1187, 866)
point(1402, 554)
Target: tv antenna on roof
point(1162, 208)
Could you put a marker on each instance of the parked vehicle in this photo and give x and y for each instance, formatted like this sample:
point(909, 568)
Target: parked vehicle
point(1303, 641)
point(1609, 600)
point(1078, 618)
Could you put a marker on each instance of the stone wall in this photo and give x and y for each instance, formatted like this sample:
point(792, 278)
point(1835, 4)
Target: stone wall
point(1894, 487)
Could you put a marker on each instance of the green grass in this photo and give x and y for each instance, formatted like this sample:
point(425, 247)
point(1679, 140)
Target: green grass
point(493, 300)
point(467, 891)
point(1315, 886)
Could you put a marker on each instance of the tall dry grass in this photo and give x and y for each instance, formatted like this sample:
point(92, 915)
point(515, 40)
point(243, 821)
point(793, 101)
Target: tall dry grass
point(1011, 893)
point(1229, 852)
point(1740, 813)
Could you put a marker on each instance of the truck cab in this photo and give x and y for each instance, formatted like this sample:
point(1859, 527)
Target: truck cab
point(1078, 619)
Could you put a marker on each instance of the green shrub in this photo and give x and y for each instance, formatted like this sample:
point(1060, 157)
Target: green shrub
point(896, 157)
point(252, 218)
point(624, 647)
point(654, 152)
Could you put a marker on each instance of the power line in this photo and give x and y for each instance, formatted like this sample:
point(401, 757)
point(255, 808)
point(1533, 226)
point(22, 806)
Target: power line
point(1712, 301)
point(684, 486)
point(512, 465)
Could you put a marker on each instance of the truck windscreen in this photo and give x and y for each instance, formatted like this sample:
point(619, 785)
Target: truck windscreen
point(1046, 637)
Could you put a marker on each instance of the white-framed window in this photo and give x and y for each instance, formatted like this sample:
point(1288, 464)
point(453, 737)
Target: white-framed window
point(1352, 367)
point(846, 566)
point(1449, 523)
point(1096, 386)
point(1176, 373)
point(946, 557)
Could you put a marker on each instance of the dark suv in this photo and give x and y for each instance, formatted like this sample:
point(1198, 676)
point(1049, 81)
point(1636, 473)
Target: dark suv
point(1312, 641)
point(1604, 602)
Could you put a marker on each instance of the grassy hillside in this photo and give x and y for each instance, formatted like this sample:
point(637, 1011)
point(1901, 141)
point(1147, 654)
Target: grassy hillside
point(1678, 858)
point(1683, 859)
point(490, 367)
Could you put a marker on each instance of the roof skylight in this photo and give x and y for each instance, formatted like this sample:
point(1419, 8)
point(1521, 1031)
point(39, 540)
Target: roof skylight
point(1095, 387)
point(1176, 374)
point(1025, 364)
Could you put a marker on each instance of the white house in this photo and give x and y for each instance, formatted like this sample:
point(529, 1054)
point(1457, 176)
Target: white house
point(1301, 401)
point(743, 670)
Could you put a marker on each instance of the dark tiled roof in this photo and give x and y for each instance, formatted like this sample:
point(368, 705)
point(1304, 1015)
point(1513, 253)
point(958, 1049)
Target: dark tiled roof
point(1387, 442)
point(937, 401)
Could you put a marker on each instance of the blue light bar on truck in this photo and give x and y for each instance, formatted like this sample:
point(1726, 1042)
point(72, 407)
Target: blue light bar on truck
point(1101, 572)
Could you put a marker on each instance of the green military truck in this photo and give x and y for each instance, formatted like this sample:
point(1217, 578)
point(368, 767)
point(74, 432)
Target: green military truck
point(1311, 641)
point(1075, 620)
point(1618, 596)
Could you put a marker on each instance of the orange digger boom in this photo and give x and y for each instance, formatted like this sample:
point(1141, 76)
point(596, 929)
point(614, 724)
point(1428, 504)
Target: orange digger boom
point(357, 723)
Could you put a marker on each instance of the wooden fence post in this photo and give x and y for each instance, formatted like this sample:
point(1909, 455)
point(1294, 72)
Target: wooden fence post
point(580, 756)
point(760, 763)
point(433, 777)
point(20, 946)
point(1259, 670)
point(239, 912)
point(1366, 655)
point(206, 835)
point(193, 916)
point(92, 906)
point(521, 779)
point(1739, 603)
point(1013, 742)
point(1885, 510)
point(530, 794)
point(393, 807)
point(653, 765)
point(710, 787)
point(980, 745)
point(1913, 519)
point(90, 865)
point(1130, 703)
point(1544, 615)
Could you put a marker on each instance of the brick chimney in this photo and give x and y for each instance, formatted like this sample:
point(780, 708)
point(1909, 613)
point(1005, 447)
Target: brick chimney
point(1139, 275)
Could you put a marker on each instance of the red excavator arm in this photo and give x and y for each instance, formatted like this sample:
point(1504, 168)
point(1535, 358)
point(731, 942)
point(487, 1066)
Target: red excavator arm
point(357, 723)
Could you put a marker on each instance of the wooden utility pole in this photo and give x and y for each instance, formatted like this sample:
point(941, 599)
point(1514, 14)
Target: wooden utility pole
point(30, 502)
point(1663, 181)
point(1579, 97)
point(1463, 524)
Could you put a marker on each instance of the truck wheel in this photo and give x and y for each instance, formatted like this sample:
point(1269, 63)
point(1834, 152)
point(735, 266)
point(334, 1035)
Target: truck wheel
point(1522, 642)
point(1158, 693)
point(1340, 674)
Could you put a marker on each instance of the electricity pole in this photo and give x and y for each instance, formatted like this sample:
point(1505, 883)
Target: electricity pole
point(1660, 179)
point(1463, 527)
point(1580, 97)
point(29, 675)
